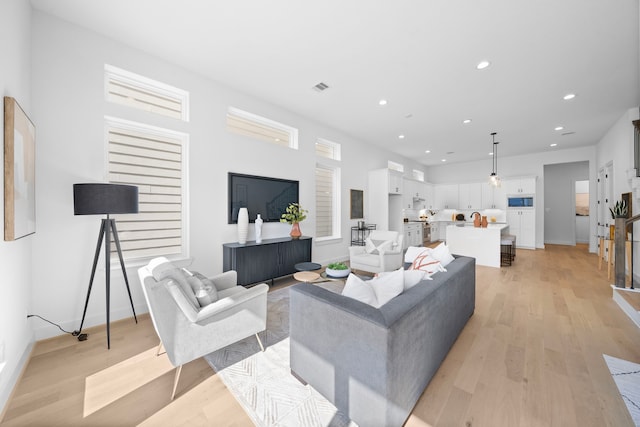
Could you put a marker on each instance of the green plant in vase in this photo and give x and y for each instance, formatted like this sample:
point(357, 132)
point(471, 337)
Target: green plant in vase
point(337, 269)
point(294, 214)
point(619, 210)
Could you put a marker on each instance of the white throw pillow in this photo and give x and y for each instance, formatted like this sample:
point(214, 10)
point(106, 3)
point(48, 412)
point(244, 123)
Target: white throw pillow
point(377, 291)
point(425, 262)
point(413, 252)
point(374, 247)
point(442, 254)
point(411, 277)
point(358, 289)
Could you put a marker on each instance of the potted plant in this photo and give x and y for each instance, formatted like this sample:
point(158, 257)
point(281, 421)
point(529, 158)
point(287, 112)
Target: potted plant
point(337, 269)
point(294, 214)
point(619, 210)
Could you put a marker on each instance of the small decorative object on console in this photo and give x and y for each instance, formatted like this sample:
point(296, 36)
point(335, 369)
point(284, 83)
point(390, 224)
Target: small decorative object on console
point(293, 215)
point(258, 225)
point(243, 225)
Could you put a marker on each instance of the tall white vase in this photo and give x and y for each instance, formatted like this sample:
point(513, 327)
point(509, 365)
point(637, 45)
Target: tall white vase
point(243, 225)
point(259, 229)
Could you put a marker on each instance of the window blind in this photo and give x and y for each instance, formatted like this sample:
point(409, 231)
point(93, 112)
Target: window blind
point(254, 126)
point(325, 185)
point(327, 149)
point(154, 163)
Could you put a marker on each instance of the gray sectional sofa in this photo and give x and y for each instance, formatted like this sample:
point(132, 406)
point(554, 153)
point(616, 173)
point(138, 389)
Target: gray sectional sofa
point(373, 364)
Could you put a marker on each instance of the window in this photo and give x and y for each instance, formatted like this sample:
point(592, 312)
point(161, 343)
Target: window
point(133, 90)
point(417, 175)
point(154, 160)
point(327, 201)
point(327, 149)
point(395, 166)
point(254, 126)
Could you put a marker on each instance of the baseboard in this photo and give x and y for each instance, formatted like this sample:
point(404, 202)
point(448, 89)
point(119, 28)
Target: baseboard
point(18, 372)
point(633, 314)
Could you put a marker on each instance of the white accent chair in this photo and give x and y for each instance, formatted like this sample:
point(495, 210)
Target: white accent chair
point(188, 331)
point(384, 259)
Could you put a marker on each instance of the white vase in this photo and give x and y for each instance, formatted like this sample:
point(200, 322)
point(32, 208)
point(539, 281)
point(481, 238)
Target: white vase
point(243, 225)
point(258, 229)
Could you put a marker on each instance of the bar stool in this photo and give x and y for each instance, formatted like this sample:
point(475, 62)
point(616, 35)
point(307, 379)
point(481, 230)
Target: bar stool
point(513, 244)
point(506, 252)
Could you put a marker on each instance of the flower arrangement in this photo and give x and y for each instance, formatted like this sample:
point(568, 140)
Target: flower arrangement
point(294, 214)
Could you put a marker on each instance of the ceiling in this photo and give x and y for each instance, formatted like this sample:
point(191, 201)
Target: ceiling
point(420, 56)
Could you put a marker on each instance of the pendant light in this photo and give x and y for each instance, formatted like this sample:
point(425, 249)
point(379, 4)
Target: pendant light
point(494, 179)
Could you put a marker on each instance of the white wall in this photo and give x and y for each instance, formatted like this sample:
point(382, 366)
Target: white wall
point(70, 109)
point(15, 257)
point(529, 165)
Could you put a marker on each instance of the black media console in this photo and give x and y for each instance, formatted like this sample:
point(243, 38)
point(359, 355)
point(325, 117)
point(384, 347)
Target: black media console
point(257, 262)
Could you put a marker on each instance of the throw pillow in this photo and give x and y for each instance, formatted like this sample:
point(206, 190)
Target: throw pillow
point(162, 268)
point(411, 277)
point(413, 252)
point(374, 247)
point(442, 254)
point(202, 287)
point(424, 262)
point(358, 289)
point(377, 291)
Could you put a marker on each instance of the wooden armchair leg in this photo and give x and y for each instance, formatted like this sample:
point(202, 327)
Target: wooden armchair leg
point(175, 381)
point(260, 342)
point(159, 350)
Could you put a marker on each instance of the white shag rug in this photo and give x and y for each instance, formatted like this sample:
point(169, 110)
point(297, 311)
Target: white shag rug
point(626, 375)
point(262, 382)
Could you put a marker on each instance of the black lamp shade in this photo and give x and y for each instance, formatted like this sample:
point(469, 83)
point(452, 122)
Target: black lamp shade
point(97, 199)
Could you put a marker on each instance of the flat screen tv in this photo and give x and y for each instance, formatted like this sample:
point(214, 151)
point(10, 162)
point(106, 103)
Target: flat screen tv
point(268, 197)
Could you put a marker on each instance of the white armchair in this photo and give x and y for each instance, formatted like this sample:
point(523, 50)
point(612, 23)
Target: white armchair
point(187, 330)
point(384, 257)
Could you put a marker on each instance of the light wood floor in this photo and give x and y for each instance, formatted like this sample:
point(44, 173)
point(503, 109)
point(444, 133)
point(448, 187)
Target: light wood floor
point(531, 355)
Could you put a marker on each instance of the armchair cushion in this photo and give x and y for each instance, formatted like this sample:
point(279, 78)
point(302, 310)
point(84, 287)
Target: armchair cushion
point(161, 268)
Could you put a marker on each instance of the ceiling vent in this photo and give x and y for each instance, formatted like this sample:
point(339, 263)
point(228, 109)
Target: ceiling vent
point(320, 87)
point(567, 133)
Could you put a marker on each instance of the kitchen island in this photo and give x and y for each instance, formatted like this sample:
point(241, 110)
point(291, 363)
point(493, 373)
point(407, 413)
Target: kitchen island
point(483, 244)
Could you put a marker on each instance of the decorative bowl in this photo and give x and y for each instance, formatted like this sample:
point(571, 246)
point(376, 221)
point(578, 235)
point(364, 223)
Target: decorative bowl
point(337, 273)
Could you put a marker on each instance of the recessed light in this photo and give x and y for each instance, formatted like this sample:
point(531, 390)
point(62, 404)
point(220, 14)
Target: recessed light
point(491, 154)
point(400, 136)
point(553, 145)
point(382, 102)
point(466, 121)
point(444, 160)
point(482, 65)
point(569, 96)
point(559, 127)
point(427, 151)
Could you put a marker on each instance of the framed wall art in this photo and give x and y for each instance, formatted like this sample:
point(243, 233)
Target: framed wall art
point(357, 207)
point(19, 172)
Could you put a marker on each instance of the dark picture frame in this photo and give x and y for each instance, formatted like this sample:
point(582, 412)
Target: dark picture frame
point(19, 172)
point(357, 204)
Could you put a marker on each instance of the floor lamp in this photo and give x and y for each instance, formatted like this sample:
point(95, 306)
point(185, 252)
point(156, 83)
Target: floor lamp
point(101, 199)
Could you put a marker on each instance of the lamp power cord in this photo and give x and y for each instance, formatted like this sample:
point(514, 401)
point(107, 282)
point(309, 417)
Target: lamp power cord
point(81, 336)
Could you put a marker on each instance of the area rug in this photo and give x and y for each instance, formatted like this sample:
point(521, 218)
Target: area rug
point(627, 377)
point(262, 382)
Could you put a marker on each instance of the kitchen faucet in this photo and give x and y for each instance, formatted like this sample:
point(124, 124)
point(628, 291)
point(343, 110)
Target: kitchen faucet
point(476, 212)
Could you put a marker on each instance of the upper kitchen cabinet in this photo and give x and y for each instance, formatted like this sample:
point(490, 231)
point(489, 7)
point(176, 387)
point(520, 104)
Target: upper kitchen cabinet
point(385, 207)
point(446, 196)
point(413, 194)
point(525, 185)
point(470, 196)
point(395, 182)
point(429, 200)
point(493, 197)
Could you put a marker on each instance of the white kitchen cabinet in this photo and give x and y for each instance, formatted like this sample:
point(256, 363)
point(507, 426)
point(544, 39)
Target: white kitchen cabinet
point(446, 196)
point(470, 196)
point(395, 182)
point(412, 234)
point(413, 194)
point(429, 201)
point(520, 185)
point(493, 197)
point(522, 224)
point(435, 231)
point(385, 207)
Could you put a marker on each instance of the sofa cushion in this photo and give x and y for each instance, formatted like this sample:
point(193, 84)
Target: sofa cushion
point(442, 254)
point(412, 252)
point(374, 247)
point(377, 291)
point(161, 269)
point(411, 277)
point(425, 262)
